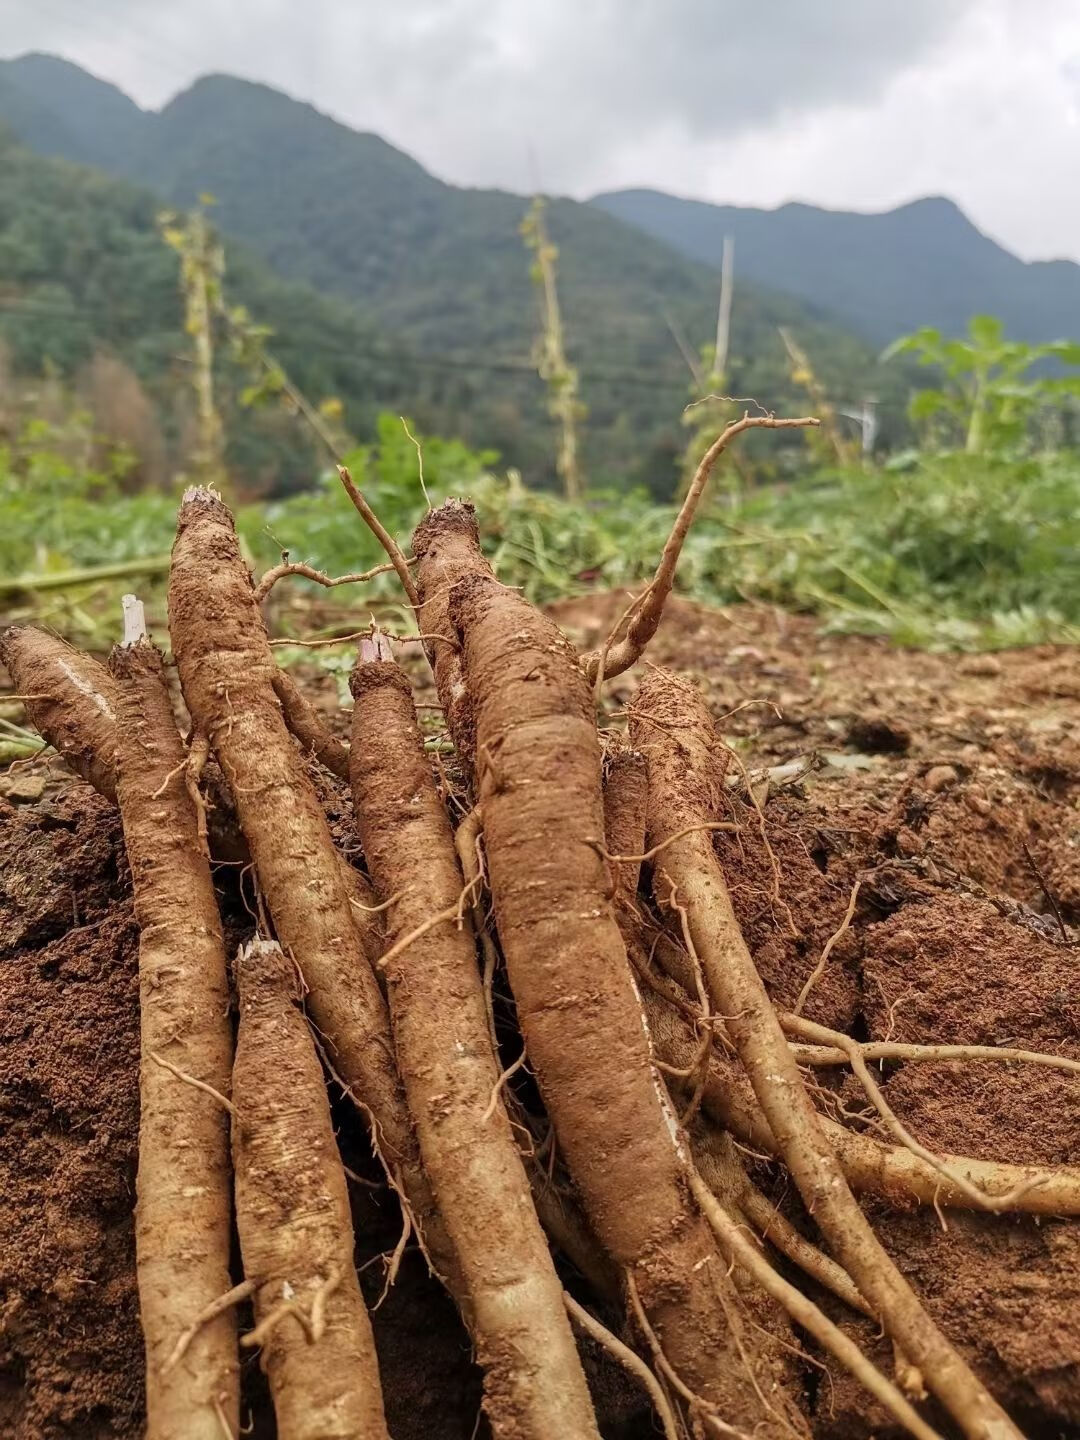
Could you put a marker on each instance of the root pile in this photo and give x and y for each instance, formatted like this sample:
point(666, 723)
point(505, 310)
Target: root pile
point(531, 983)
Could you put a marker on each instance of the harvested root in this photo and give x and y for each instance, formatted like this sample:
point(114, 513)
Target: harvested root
point(183, 1215)
point(227, 672)
point(558, 1212)
point(292, 1212)
point(626, 797)
point(538, 777)
point(74, 710)
point(446, 544)
point(534, 1384)
point(72, 704)
point(678, 740)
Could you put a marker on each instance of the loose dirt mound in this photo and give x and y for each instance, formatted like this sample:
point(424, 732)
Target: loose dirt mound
point(945, 787)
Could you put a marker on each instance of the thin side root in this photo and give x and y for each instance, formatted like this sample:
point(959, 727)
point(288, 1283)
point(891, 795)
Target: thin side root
point(191, 1080)
point(697, 1404)
point(739, 1250)
point(313, 1323)
point(216, 1307)
point(819, 969)
point(827, 1049)
point(630, 1362)
point(724, 825)
point(496, 1089)
point(996, 1204)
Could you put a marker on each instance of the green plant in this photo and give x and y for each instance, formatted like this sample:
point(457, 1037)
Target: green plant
point(993, 391)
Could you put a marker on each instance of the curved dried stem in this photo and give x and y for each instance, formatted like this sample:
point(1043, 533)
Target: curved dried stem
point(615, 657)
point(385, 539)
point(278, 572)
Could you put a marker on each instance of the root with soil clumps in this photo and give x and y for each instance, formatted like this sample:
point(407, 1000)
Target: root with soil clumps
point(183, 1215)
point(538, 782)
point(292, 1212)
point(227, 673)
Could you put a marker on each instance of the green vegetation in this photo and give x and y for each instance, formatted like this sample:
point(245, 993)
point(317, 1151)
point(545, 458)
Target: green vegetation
point(992, 398)
point(938, 547)
point(86, 281)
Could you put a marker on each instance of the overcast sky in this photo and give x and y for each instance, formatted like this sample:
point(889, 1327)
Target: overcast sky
point(856, 104)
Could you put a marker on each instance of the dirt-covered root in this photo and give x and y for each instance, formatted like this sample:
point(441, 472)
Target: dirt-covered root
point(557, 1209)
point(227, 671)
point(71, 701)
point(303, 720)
point(292, 1212)
point(626, 790)
point(183, 1211)
point(534, 1384)
point(446, 545)
point(74, 710)
point(538, 778)
point(670, 723)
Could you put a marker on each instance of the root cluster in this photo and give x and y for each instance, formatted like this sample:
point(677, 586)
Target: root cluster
point(591, 1141)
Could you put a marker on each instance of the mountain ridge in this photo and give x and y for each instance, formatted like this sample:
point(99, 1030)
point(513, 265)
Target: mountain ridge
point(881, 273)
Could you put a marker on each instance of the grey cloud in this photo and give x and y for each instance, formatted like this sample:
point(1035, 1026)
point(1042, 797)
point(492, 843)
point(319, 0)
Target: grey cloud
point(855, 103)
point(477, 80)
point(468, 85)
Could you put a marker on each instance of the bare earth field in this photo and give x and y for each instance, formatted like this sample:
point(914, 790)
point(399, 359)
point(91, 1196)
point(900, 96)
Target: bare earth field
point(946, 786)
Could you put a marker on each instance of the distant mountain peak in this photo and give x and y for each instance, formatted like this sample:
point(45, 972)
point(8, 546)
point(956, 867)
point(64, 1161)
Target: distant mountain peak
point(883, 273)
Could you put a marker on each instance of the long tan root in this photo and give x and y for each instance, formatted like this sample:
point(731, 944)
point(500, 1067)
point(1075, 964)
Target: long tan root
point(182, 1220)
point(679, 753)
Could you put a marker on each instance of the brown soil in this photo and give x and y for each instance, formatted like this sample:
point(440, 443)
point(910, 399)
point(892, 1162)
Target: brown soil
point(949, 784)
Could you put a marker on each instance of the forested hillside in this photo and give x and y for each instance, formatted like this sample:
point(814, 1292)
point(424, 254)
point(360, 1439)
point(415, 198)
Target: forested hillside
point(86, 278)
point(441, 314)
